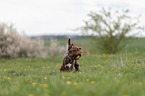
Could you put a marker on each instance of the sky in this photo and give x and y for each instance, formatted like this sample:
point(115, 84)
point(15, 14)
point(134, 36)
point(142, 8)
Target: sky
point(59, 17)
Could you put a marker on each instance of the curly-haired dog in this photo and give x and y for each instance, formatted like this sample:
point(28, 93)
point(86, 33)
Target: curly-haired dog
point(71, 57)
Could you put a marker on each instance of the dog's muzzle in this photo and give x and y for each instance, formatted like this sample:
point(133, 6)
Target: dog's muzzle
point(78, 56)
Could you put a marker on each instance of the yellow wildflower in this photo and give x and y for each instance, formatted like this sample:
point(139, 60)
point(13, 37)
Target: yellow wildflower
point(31, 69)
point(9, 78)
point(53, 70)
point(87, 80)
point(104, 55)
point(43, 67)
point(40, 85)
point(34, 83)
point(117, 81)
point(140, 83)
point(30, 95)
point(75, 83)
point(68, 82)
point(45, 85)
point(125, 95)
point(99, 65)
point(68, 77)
point(64, 92)
point(45, 77)
point(131, 74)
point(110, 56)
point(92, 82)
point(81, 73)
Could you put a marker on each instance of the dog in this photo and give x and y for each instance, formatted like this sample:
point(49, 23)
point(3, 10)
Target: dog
point(70, 58)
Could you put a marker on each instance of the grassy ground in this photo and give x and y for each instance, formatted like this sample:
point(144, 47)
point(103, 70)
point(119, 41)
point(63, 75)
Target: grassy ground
point(101, 75)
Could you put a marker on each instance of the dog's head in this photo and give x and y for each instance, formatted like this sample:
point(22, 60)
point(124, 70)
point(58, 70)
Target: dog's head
point(73, 51)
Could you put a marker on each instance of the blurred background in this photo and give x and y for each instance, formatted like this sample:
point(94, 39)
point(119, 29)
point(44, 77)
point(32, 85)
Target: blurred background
point(97, 26)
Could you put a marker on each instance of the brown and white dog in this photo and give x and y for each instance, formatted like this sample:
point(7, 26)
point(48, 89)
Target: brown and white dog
point(70, 58)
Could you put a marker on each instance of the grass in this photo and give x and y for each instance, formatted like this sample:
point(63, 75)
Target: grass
point(101, 75)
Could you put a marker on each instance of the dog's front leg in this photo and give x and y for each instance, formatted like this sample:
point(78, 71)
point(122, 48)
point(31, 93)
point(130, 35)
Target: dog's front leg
point(63, 66)
point(73, 65)
point(77, 66)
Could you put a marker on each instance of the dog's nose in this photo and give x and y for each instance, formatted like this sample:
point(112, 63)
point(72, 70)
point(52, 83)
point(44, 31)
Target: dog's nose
point(79, 55)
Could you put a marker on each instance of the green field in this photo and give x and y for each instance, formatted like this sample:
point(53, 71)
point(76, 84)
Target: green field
point(122, 74)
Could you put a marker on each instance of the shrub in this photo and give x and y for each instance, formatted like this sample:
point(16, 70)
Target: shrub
point(14, 45)
point(55, 49)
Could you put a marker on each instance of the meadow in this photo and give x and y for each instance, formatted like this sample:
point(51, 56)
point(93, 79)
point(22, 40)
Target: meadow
point(122, 74)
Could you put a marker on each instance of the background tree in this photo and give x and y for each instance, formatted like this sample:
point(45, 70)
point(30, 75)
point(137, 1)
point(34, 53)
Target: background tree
point(112, 29)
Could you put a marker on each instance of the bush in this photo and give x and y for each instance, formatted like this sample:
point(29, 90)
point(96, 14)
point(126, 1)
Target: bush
point(55, 49)
point(14, 45)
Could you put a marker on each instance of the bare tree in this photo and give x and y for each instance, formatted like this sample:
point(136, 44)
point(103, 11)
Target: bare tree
point(112, 30)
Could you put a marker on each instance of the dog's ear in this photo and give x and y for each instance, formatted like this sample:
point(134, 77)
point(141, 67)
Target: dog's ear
point(69, 42)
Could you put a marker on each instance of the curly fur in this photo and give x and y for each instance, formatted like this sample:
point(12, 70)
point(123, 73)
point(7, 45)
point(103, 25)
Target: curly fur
point(71, 57)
